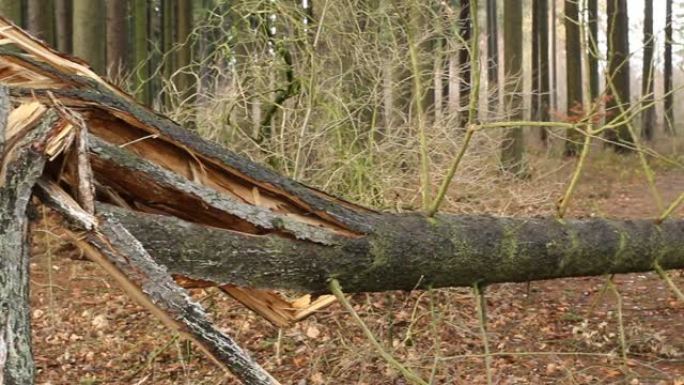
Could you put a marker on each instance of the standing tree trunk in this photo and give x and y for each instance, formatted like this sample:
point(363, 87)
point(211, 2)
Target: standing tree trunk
point(554, 67)
point(11, 9)
point(618, 74)
point(186, 81)
point(63, 25)
point(648, 118)
point(513, 143)
point(540, 65)
point(89, 31)
point(141, 59)
point(592, 24)
point(667, 75)
point(168, 42)
point(117, 37)
point(492, 57)
point(573, 60)
point(464, 29)
point(40, 21)
point(544, 86)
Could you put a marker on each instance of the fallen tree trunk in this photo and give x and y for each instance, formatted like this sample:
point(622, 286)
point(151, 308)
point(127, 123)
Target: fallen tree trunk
point(411, 251)
point(143, 192)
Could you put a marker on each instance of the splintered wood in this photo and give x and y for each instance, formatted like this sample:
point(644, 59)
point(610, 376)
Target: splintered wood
point(102, 146)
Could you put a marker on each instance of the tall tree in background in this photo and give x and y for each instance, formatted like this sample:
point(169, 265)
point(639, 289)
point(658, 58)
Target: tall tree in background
point(40, 21)
point(117, 37)
point(554, 67)
point(667, 75)
point(540, 65)
point(492, 57)
point(168, 41)
point(141, 51)
point(573, 61)
point(617, 86)
point(513, 143)
point(592, 24)
point(648, 118)
point(89, 30)
point(186, 81)
point(11, 9)
point(63, 25)
point(465, 29)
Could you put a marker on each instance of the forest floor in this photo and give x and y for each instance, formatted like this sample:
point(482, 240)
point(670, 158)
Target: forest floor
point(86, 331)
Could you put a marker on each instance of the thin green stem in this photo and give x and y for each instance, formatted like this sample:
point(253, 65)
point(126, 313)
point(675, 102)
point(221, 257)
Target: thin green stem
point(677, 292)
point(336, 289)
point(482, 317)
point(565, 201)
point(670, 209)
point(621, 325)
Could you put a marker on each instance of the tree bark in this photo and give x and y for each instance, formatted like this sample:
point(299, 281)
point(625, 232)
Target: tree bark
point(573, 80)
point(465, 30)
point(592, 24)
point(540, 65)
point(88, 32)
point(141, 51)
point(512, 146)
point(618, 74)
point(450, 250)
point(648, 118)
point(40, 21)
point(64, 25)
point(667, 71)
point(22, 162)
point(492, 57)
point(117, 38)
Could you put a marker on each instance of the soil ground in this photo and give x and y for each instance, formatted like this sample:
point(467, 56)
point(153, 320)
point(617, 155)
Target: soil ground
point(86, 331)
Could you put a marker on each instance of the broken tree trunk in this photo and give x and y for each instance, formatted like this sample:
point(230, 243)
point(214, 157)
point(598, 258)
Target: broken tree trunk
point(146, 198)
point(22, 148)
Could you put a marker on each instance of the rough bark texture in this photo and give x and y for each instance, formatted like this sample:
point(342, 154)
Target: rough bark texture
point(573, 79)
point(618, 73)
point(450, 250)
point(22, 164)
point(512, 146)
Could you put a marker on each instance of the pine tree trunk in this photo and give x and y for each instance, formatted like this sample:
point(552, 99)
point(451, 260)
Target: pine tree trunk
point(592, 24)
point(186, 82)
point(141, 51)
point(12, 9)
point(544, 86)
point(89, 32)
point(168, 43)
point(648, 118)
point(618, 70)
point(667, 73)
point(63, 25)
point(117, 37)
point(512, 145)
point(40, 20)
point(464, 26)
point(573, 61)
point(492, 58)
